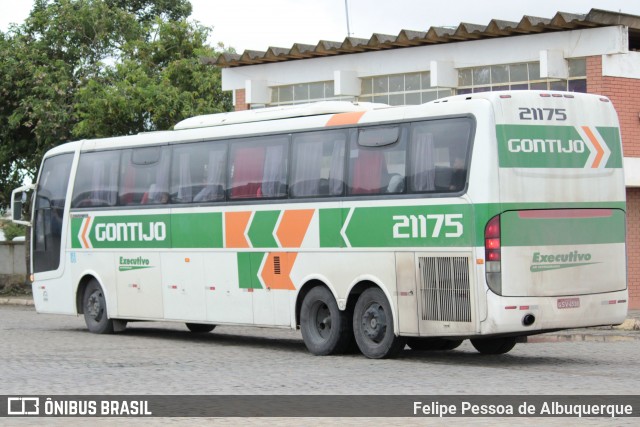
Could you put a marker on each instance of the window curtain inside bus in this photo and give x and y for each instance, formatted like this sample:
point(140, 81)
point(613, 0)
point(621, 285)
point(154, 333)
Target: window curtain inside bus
point(213, 189)
point(318, 164)
point(275, 172)
point(159, 190)
point(423, 168)
point(185, 185)
point(308, 168)
point(96, 181)
point(336, 171)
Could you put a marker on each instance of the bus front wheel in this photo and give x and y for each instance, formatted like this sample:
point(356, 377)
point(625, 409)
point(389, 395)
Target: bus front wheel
point(325, 329)
point(373, 326)
point(94, 307)
point(494, 345)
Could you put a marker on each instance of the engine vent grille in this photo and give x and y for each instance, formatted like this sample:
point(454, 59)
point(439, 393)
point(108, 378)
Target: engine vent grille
point(444, 288)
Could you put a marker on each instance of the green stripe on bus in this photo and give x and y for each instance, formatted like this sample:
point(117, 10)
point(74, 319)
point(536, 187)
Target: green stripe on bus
point(261, 229)
point(444, 225)
point(537, 146)
point(248, 269)
point(197, 230)
point(331, 222)
point(130, 231)
point(517, 231)
point(612, 136)
point(411, 226)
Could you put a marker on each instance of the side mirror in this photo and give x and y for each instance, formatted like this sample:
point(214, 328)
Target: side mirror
point(16, 206)
point(18, 199)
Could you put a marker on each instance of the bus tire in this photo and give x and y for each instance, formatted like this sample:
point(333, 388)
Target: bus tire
point(373, 326)
point(432, 344)
point(494, 345)
point(325, 329)
point(200, 328)
point(94, 306)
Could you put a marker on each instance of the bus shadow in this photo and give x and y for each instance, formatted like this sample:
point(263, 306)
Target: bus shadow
point(221, 338)
point(463, 356)
point(473, 358)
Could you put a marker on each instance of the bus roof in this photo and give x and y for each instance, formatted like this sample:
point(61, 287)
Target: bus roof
point(274, 113)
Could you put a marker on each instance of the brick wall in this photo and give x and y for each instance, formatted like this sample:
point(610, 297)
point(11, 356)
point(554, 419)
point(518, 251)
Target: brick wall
point(633, 246)
point(623, 92)
point(241, 100)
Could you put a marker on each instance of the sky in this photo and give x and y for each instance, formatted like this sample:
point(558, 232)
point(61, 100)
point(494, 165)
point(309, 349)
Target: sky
point(259, 24)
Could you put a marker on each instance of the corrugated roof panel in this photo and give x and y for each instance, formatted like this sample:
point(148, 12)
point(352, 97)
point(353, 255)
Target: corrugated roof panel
point(562, 21)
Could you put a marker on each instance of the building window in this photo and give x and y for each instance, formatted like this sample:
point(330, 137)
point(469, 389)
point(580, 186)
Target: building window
point(520, 77)
point(401, 89)
point(303, 93)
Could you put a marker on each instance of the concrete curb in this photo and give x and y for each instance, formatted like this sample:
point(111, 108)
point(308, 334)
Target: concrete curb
point(16, 301)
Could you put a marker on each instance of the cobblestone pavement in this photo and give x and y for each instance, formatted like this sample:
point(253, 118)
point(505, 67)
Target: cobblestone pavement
point(51, 354)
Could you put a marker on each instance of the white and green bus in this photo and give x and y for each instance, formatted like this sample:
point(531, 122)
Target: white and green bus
point(487, 217)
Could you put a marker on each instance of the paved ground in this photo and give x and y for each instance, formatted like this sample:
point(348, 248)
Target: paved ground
point(51, 354)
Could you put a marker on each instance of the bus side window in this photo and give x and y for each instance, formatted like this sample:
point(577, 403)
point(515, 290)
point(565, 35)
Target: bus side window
point(145, 176)
point(259, 168)
point(96, 183)
point(318, 164)
point(377, 161)
point(198, 172)
point(439, 155)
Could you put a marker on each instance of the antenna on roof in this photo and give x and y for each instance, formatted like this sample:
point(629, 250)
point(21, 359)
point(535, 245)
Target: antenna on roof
point(346, 8)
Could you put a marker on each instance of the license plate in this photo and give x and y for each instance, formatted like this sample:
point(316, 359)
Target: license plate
point(568, 302)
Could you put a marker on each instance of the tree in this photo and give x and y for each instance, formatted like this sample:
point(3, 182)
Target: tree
point(155, 85)
point(95, 68)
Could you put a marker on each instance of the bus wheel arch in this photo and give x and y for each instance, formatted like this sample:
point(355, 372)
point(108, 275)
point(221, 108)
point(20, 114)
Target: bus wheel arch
point(94, 306)
point(374, 322)
point(80, 290)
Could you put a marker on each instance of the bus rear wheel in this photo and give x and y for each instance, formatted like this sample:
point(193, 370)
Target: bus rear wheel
point(94, 306)
point(494, 345)
point(373, 326)
point(200, 328)
point(325, 329)
point(432, 344)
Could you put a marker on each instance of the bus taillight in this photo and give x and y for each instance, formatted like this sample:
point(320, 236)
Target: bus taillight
point(492, 254)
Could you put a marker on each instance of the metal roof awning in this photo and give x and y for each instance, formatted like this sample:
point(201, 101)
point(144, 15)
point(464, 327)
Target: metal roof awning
point(562, 21)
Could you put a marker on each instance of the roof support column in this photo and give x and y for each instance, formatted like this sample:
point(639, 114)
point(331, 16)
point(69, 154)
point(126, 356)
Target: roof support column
point(257, 92)
point(443, 74)
point(346, 83)
point(553, 65)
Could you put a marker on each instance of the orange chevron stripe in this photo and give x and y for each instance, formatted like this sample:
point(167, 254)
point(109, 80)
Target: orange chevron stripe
point(596, 144)
point(235, 223)
point(277, 270)
point(293, 227)
point(83, 234)
point(345, 118)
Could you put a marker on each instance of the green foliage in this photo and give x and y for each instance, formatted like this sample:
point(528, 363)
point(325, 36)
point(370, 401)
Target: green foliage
point(155, 85)
point(97, 68)
point(12, 230)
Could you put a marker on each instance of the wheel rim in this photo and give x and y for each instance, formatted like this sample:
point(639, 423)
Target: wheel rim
point(94, 306)
point(374, 323)
point(322, 320)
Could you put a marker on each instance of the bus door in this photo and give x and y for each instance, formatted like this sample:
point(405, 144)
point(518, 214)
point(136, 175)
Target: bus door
point(49, 215)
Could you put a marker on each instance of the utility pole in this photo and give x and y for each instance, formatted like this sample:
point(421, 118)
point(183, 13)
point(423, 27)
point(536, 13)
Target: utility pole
point(346, 8)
